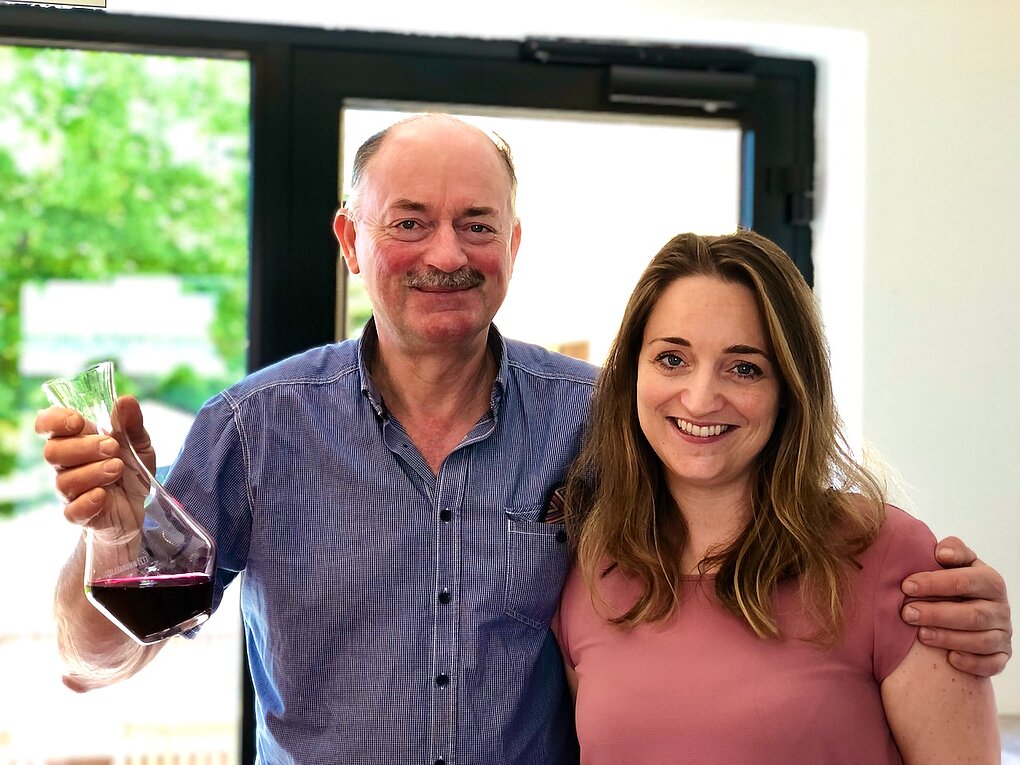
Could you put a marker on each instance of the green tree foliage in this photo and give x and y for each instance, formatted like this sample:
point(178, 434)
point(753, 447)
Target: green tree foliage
point(115, 163)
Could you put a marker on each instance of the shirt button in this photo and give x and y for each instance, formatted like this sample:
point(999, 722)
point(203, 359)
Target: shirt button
point(445, 515)
point(561, 536)
point(442, 680)
point(445, 597)
point(440, 761)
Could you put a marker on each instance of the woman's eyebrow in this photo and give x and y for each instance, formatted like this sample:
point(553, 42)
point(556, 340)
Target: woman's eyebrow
point(746, 349)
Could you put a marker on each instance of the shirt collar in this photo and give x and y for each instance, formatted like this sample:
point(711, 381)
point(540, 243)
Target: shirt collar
point(367, 350)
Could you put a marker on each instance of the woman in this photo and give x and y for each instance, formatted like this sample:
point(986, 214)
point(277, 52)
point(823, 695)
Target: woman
point(736, 593)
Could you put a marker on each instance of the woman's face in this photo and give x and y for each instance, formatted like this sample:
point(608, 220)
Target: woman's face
point(707, 386)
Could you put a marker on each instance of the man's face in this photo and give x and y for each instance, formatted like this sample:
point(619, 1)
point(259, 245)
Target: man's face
point(433, 235)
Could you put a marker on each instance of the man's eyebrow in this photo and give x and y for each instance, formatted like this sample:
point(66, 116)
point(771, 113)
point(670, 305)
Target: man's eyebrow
point(479, 212)
point(408, 205)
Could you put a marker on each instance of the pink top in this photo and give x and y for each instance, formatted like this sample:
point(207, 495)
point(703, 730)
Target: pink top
point(703, 688)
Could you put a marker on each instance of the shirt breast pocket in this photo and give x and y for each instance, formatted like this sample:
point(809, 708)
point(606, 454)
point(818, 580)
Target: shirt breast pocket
point(537, 560)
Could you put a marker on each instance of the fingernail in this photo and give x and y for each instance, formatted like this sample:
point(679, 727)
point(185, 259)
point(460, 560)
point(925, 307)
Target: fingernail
point(110, 466)
point(909, 587)
point(946, 554)
point(911, 614)
point(926, 633)
point(73, 422)
point(108, 446)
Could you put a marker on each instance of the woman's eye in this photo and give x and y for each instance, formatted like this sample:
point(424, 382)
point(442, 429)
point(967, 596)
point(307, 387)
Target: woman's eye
point(671, 360)
point(746, 369)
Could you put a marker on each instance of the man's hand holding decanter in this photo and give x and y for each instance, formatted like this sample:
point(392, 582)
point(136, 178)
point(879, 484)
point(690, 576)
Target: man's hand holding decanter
point(95, 473)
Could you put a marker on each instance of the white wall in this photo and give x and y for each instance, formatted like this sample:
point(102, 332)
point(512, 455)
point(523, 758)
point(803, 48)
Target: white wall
point(919, 190)
point(942, 268)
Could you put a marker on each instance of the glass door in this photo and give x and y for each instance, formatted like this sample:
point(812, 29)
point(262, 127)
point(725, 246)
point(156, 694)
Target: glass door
point(124, 236)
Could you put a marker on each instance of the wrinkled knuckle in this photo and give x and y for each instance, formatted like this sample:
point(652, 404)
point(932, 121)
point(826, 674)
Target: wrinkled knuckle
point(999, 585)
point(964, 584)
point(990, 642)
point(991, 615)
point(981, 617)
point(990, 581)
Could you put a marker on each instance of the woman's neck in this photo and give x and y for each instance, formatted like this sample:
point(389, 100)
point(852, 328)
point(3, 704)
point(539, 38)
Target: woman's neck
point(714, 519)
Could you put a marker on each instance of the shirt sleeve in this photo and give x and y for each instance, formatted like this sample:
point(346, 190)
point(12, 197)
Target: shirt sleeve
point(208, 479)
point(905, 546)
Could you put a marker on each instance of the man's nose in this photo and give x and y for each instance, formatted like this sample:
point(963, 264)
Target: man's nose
point(700, 394)
point(444, 250)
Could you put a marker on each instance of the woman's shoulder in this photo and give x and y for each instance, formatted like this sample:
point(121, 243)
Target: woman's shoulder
point(904, 543)
point(889, 522)
point(903, 528)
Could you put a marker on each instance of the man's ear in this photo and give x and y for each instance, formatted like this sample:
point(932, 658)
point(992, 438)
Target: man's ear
point(515, 241)
point(346, 232)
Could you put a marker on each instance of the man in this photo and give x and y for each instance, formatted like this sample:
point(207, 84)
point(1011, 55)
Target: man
point(386, 497)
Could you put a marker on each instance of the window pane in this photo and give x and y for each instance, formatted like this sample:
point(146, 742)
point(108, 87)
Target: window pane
point(598, 196)
point(123, 236)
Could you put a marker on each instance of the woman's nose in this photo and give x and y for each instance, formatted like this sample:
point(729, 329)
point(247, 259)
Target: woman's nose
point(700, 394)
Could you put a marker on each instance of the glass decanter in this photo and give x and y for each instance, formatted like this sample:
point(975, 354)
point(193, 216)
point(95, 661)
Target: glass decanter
point(148, 564)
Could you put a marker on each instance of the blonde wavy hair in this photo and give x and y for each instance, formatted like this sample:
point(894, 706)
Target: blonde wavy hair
point(813, 507)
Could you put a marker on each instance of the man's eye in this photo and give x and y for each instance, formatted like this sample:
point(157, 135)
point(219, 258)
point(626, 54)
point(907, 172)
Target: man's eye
point(479, 228)
point(408, 225)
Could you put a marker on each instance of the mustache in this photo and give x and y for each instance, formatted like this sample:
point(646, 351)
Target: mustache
point(433, 278)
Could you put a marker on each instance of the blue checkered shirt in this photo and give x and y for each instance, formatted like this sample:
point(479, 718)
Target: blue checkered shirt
point(391, 615)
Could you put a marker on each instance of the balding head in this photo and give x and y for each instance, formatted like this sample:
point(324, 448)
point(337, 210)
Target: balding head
point(423, 122)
